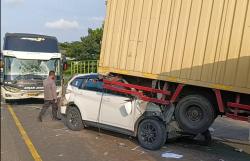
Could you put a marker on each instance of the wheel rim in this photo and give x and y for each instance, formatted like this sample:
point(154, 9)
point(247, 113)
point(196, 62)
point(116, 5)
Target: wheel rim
point(148, 133)
point(194, 113)
point(73, 118)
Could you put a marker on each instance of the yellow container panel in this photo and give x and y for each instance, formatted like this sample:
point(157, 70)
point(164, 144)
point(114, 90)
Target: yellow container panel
point(191, 39)
point(198, 42)
point(143, 35)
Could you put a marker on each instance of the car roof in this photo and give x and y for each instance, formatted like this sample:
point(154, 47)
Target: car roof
point(89, 75)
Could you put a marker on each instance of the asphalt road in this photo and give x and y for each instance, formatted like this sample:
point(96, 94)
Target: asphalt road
point(54, 142)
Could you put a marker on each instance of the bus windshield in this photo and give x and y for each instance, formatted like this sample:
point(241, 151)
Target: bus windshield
point(22, 69)
point(31, 44)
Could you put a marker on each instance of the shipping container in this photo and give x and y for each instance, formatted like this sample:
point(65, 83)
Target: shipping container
point(203, 43)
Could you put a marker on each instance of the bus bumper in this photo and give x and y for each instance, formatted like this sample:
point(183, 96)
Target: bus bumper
point(8, 95)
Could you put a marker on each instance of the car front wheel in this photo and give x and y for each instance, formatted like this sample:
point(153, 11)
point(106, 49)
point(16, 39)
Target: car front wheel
point(74, 119)
point(151, 134)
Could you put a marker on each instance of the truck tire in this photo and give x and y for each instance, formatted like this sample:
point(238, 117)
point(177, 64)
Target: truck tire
point(74, 119)
point(151, 134)
point(194, 114)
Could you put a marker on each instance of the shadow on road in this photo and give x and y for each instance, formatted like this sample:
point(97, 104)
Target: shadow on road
point(219, 148)
point(25, 102)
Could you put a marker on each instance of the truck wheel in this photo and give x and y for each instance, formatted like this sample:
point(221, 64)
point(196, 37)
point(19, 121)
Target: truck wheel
point(74, 119)
point(152, 134)
point(194, 114)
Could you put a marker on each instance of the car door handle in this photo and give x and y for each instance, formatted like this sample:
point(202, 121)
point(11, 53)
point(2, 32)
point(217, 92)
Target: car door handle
point(107, 99)
point(77, 93)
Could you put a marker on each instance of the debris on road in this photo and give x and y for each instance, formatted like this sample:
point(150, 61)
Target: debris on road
point(59, 134)
point(137, 148)
point(164, 147)
point(211, 130)
point(64, 129)
point(122, 145)
point(171, 155)
point(106, 153)
point(60, 155)
point(36, 107)
point(238, 150)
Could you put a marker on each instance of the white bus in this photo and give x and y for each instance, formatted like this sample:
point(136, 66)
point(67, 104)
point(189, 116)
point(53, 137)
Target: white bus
point(27, 60)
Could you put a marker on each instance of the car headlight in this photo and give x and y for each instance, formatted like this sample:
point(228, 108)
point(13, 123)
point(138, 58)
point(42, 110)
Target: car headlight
point(12, 89)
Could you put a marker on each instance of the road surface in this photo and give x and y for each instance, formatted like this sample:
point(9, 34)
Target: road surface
point(52, 141)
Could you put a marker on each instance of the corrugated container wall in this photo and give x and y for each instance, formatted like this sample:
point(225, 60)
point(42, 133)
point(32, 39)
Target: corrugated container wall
point(197, 42)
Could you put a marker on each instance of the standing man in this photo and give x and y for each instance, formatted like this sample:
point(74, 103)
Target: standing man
point(50, 96)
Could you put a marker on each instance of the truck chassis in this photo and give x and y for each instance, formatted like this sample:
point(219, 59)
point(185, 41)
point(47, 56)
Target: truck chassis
point(139, 91)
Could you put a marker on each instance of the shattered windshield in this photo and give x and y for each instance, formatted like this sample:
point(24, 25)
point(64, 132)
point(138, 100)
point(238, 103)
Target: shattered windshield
point(22, 69)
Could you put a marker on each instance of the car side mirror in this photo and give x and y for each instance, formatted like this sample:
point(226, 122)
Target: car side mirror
point(128, 107)
point(1, 64)
point(64, 63)
point(65, 66)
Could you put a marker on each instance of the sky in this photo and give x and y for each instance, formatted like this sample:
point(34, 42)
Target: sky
point(68, 20)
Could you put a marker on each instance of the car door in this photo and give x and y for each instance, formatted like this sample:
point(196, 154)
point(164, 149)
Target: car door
point(72, 90)
point(117, 110)
point(88, 99)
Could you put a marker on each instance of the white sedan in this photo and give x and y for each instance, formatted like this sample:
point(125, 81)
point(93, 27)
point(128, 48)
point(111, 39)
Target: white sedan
point(89, 104)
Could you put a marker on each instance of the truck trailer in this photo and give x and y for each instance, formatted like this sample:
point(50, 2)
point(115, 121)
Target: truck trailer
point(197, 51)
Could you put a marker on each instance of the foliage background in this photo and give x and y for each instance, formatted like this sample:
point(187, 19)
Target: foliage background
point(88, 48)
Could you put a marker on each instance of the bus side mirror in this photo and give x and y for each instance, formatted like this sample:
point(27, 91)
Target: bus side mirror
point(1, 64)
point(64, 63)
point(1, 60)
point(65, 66)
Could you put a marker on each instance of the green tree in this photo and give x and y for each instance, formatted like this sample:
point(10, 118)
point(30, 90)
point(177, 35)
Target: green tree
point(87, 49)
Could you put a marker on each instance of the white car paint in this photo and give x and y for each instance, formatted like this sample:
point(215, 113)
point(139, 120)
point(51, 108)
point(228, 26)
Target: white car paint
point(113, 112)
point(117, 111)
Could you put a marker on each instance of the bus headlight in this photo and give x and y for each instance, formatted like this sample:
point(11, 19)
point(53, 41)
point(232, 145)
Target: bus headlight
point(12, 89)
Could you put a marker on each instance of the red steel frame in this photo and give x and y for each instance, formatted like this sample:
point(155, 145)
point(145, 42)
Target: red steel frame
point(176, 93)
point(139, 91)
point(236, 105)
point(219, 101)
